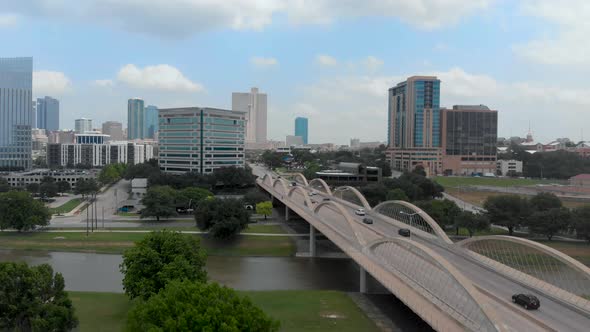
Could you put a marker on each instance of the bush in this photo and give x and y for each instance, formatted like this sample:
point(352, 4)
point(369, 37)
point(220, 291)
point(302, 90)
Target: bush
point(223, 218)
point(20, 211)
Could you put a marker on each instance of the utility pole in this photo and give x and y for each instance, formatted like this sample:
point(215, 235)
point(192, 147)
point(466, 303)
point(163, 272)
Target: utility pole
point(103, 217)
point(87, 207)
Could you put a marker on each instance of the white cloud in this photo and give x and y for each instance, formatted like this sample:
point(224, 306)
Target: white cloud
point(8, 20)
point(372, 63)
point(158, 77)
point(325, 60)
point(53, 83)
point(570, 45)
point(263, 62)
point(104, 83)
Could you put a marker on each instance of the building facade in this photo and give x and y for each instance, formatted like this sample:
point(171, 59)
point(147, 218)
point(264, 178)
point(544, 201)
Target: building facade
point(83, 125)
point(114, 129)
point(135, 119)
point(292, 140)
point(469, 139)
point(301, 128)
point(22, 179)
point(508, 167)
point(16, 112)
point(97, 155)
point(91, 138)
point(151, 122)
point(254, 104)
point(196, 139)
point(61, 136)
point(47, 110)
point(353, 174)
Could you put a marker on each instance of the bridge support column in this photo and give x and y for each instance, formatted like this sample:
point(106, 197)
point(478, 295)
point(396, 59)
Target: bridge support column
point(286, 213)
point(362, 280)
point(312, 250)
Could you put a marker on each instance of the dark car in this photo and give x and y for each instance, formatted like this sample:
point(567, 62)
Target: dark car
point(367, 221)
point(293, 184)
point(326, 199)
point(528, 301)
point(404, 232)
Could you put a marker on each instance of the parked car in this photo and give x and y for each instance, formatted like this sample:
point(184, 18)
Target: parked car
point(404, 232)
point(367, 221)
point(528, 301)
point(359, 212)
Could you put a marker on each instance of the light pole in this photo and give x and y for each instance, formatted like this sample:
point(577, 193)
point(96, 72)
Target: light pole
point(410, 215)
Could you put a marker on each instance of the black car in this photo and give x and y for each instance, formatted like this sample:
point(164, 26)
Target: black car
point(326, 199)
point(367, 221)
point(528, 301)
point(404, 232)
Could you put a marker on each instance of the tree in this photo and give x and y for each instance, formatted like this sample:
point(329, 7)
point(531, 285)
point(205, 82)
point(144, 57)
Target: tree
point(397, 195)
point(157, 259)
point(223, 218)
point(549, 222)
point(581, 222)
point(4, 185)
point(375, 193)
point(63, 186)
point(443, 211)
point(509, 211)
point(311, 168)
point(232, 177)
point(264, 208)
point(254, 197)
point(473, 222)
point(419, 170)
point(159, 203)
point(193, 306)
point(545, 202)
point(191, 196)
point(33, 299)
point(144, 170)
point(48, 189)
point(86, 187)
point(111, 173)
point(33, 188)
point(20, 211)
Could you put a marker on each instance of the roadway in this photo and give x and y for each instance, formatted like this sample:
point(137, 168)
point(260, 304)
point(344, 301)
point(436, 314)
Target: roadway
point(554, 314)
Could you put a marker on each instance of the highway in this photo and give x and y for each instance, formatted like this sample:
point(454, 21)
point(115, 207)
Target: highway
point(555, 315)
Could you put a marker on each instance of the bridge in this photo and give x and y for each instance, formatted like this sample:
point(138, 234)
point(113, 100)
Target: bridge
point(452, 286)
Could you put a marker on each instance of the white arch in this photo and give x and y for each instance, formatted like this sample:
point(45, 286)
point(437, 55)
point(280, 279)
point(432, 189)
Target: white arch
point(283, 184)
point(323, 183)
point(349, 219)
point(490, 314)
point(358, 194)
point(302, 177)
point(438, 231)
point(267, 179)
point(304, 193)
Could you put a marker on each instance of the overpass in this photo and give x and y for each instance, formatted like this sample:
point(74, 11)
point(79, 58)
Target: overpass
point(453, 286)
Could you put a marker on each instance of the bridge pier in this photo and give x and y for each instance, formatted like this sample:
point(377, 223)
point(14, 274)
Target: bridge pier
point(362, 280)
point(286, 213)
point(312, 249)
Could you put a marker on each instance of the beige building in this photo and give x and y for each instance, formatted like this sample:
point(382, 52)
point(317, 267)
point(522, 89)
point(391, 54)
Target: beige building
point(254, 104)
point(114, 129)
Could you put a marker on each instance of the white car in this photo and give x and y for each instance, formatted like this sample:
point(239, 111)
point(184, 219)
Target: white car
point(312, 193)
point(359, 212)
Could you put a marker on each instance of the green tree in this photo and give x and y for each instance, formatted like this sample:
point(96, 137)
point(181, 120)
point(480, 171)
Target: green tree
point(86, 187)
point(581, 222)
point(545, 202)
point(63, 186)
point(375, 193)
point(191, 196)
point(48, 189)
point(4, 185)
point(272, 159)
point(311, 168)
point(159, 203)
point(397, 194)
point(510, 211)
point(110, 173)
point(223, 218)
point(254, 197)
point(20, 211)
point(33, 299)
point(33, 188)
point(473, 222)
point(193, 306)
point(264, 208)
point(160, 257)
point(549, 222)
point(232, 177)
point(443, 211)
point(145, 170)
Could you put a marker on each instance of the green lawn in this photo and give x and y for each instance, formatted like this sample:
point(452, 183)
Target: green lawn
point(491, 231)
point(577, 250)
point(324, 311)
point(266, 229)
point(67, 206)
point(457, 181)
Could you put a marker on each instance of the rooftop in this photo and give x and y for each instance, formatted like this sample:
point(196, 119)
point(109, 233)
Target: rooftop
point(581, 177)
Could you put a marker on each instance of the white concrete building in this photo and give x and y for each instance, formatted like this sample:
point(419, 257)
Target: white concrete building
point(506, 167)
point(254, 104)
point(83, 125)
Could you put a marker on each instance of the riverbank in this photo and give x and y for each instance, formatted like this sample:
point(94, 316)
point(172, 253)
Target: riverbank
point(300, 310)
point(266, 243)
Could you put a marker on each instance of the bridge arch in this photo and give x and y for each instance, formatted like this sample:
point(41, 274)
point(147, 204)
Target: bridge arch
point(436, 279)
point(300, 178)
point(320, 185)
point(353, 226)
point(283, 186)
point(267, 179)
point(544, 264)
point(357, 198)
point(304, 193)
point(412, 215)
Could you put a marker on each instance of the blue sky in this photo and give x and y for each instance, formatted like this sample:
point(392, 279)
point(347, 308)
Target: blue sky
point(326, 59)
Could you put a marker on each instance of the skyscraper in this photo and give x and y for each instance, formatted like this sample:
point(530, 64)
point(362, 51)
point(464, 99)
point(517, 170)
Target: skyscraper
point(16, 112)
point(135, 119)
point(83, 125)
point(254, 104)
point(301, 128)
point(48, 113)
point(150, 122)
point(114, 129)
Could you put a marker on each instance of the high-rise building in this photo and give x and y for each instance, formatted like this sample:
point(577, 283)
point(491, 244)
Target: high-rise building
point(135, 119)
point(150, 122)
point(83, 125)
point(469, 139)
point(48, 113)
point(413, 126)
point(196, 139)
point(97, 155)
point(254, 104)
point(34, 115)
point(113, 129)
point(16, 112)
point(301, 128)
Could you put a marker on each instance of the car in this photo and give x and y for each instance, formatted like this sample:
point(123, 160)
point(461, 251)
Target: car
point(313, 193)
point(359, 212)
point(293, 184)
point(528, 301)
point(326, 199)
point(367, 221)
point(404, 232)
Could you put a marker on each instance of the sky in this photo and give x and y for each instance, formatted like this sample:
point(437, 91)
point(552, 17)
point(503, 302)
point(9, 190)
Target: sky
point(329, 60)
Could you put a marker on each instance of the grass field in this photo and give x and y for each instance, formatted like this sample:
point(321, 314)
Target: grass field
point(577, 250)
point(67, 206)
point(456, 181)
point(491, 231)
point(296, 310)
point(479, 197)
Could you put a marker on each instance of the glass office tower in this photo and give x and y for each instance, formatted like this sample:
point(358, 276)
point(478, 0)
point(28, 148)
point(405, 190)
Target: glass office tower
point(150, 122)
point(16, 112)
point(135, 119)
point(48, 113)
point(301, 128)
